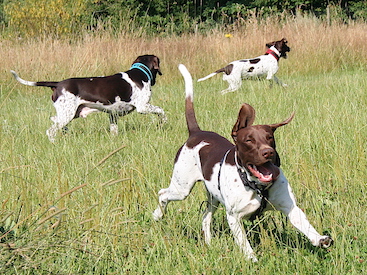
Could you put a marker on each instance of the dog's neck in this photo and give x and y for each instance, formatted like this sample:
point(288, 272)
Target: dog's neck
point(274, 52)
point(144, 69)
point(242, 170)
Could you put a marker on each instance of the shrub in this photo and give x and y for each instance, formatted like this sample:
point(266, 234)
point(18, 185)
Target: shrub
point(46, 17)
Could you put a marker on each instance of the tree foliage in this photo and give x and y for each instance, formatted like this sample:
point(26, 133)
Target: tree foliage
point(35, 17)
point(59, 17)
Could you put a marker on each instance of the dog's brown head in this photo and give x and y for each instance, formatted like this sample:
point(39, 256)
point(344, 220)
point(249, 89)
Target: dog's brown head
point(281, 46)
point(152, 62)
point(255, 145)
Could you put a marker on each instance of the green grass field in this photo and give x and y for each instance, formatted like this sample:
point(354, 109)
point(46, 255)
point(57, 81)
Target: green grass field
point(83, 205)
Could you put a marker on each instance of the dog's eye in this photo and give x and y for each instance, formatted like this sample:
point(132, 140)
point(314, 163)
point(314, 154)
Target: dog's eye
point(270, 137)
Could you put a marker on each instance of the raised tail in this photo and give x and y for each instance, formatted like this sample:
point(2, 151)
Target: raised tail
point(50, 84)
point(191, 121)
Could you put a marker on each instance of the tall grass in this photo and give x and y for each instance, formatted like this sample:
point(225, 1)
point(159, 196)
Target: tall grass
point(83, 204)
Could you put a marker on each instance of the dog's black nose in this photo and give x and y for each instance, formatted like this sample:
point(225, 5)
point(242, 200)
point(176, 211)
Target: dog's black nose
point(268, 153)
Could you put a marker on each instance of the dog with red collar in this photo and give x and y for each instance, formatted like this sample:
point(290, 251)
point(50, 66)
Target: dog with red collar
point(244, 177)
point(264, 65)
point(117, 94)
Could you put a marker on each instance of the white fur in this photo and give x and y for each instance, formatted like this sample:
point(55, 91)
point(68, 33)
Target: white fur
point(239, 200)
point(67, 104)
point(267, 66)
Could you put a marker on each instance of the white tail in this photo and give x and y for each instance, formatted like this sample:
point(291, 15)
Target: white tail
point(25, 82)
point(192, 124)
point(189, 87)
point(206, 77)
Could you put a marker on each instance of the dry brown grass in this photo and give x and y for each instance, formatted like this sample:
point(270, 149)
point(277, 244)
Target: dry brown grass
point(315, 47)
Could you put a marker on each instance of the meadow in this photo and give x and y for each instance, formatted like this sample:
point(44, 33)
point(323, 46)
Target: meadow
point(83, 204)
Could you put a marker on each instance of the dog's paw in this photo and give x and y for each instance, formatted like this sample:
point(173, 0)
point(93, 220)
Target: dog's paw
point(252, 258)
point(157, 214)
point(114, 129)
point(226, 92)
point(326, 242)
point(163, 119)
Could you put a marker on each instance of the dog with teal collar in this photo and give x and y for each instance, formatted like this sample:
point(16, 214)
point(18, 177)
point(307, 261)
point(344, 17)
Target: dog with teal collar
point(144, 69)
point(117, 95)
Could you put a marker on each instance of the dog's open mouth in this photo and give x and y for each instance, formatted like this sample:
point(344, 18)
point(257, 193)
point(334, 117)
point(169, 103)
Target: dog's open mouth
point(268, 172)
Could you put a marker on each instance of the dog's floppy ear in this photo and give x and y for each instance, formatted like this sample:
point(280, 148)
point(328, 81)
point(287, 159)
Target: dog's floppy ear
point(277, 159)
point(246, 117)
point(285, 122)
point(156, 65)
point(268, 45)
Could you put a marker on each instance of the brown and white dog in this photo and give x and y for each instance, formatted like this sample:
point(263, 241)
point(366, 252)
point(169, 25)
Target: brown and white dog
point(117, 94)
point(264, 65)
point(244, 177)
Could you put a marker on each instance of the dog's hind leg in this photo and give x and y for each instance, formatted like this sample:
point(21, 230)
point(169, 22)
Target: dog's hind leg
point(234, 82)
point(180, 187)
point(212, 206)
point(66, 106)
point(185, 175)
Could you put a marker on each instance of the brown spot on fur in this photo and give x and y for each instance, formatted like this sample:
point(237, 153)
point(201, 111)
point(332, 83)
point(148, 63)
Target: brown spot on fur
point(255, 60)
point(227, 69)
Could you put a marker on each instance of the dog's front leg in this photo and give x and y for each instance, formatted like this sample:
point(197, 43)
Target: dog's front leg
point(300, 221)
point(272, 78)
point(282, 198)
point(279, 82)
point(212, 206)
point(113, 123)
point(240, 237)
point(150, 109)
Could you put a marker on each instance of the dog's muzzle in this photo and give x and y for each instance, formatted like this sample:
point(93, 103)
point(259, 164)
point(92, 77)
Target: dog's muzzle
point(266, 173)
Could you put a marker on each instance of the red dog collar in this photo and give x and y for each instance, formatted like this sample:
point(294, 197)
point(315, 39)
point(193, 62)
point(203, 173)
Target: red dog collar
point(269, 51)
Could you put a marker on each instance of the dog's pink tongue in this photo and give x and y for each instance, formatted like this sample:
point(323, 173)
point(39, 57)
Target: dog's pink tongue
point(267, 172)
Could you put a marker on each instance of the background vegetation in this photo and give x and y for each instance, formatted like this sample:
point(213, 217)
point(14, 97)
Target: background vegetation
point(83, 205)
point(57, 18)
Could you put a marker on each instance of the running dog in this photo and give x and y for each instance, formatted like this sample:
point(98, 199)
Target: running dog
point(245, 177)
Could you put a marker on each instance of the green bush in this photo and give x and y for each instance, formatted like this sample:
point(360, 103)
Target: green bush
point(33, 18)
point(47, 17)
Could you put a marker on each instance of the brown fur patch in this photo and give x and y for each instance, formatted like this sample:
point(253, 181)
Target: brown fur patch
point(255, 60)
point(227, 69)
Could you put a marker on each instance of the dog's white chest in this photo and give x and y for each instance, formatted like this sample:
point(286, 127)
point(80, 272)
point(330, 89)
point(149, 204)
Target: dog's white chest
point(234, 194)
point(139, 96)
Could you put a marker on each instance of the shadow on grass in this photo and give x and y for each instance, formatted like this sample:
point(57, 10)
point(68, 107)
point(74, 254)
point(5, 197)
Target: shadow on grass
point(279, 232)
